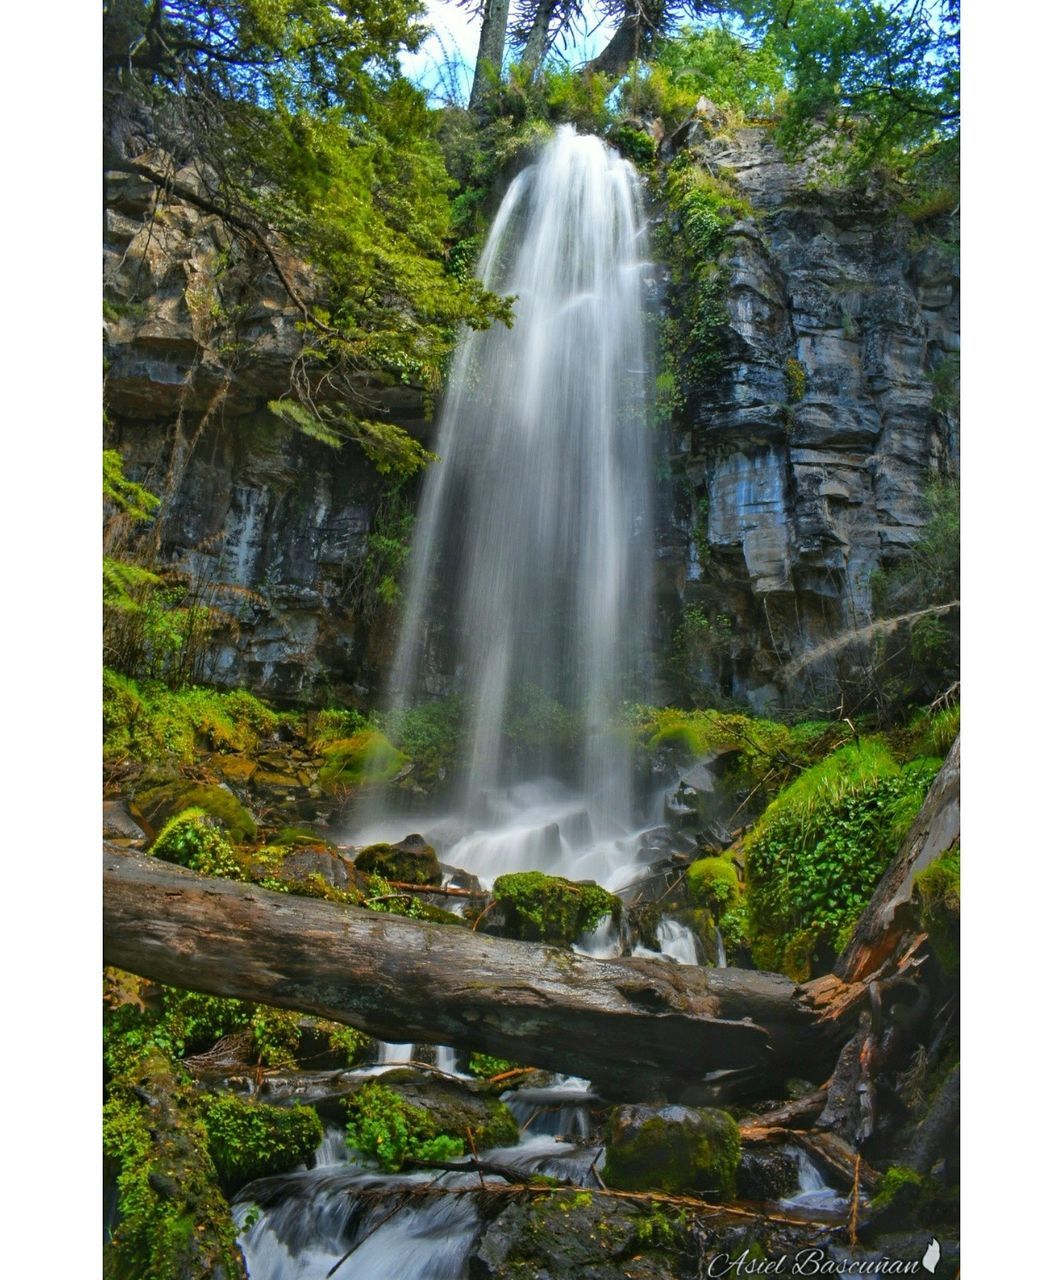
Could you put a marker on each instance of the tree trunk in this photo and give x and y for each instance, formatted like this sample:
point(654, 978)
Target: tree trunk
point(490, 47)
point(632, 39)
point(637, 1028)
point(537, 42)
point(887, 921)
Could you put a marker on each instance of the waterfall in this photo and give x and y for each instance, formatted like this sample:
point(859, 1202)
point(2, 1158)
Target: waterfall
point(530, 572)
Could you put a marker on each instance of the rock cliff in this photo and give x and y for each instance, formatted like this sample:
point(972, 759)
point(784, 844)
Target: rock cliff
point(264, 523)
point(805, 460)
point(808, 456)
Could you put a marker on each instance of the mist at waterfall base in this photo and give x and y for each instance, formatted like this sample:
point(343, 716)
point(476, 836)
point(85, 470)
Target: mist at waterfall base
point(530, 577)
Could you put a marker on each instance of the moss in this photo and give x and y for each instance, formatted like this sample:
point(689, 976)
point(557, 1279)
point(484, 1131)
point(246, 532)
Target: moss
point(383, 1126)
point(366, 757)
point(149, 721)
point(636, 145)
point(249, 1140)
point(192, 839)
point(938, 890)
point(546, 908)
point(673, 1149)
point(712, 883)
point(158, 804)
point(816, 854)
point(795, 375)
point(765, 753)
point(900, 1186)
point(301, 837)
point(410, 862)
point(173, 1221)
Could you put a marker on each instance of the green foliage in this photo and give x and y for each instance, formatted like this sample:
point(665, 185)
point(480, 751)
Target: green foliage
point(409, 866)
point(693, 332)
point(938, 890)
point(333, 724)
point(173, 1220)
point(431, 735)
point(881, 80)
point(712, 883)
point(149, 721)
point(819, 849)
point(485, 1066)
point(654, 1229)
point(714, 63)
point(248, 1139)
point(929, 573)
point(702, 641)
point(926, 576)
point(300, 115)
point(375, 583)
point(386, 1128)
point(934, 734)
point(365, 757)
point(193, 839)
point(899, 1181)
point(550, 909)
point(765, 753)
point(125, 495)
point(150, 1017)
point(633, 143)
point(390, 449)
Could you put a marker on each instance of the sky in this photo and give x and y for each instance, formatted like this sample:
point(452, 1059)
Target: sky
point(444, 64)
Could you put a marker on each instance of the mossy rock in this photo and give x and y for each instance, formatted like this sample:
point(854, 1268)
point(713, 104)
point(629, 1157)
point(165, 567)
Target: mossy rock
point(249, 1140)
point(366, 757)
point(454, 1107)
point(158, 804)
point(542, 908)
point(712, 883)
point(411, 861)
point(173, 1221)
point(673, 1149)
point(301, 837)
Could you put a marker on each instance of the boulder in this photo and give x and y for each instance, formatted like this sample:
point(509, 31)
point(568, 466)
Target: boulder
point(411, 861)
point(673, 1149)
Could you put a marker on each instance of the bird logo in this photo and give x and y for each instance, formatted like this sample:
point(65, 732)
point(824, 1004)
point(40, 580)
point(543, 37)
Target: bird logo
point(931, 1257)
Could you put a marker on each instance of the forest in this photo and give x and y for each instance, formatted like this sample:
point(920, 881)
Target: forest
point(531, 632)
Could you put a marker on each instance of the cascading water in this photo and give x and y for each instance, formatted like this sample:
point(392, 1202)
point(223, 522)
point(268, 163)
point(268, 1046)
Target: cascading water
point(530, 575)
point(530, 580)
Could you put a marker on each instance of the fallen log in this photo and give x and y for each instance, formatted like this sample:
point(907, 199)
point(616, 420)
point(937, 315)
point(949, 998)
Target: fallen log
point(638, 1028)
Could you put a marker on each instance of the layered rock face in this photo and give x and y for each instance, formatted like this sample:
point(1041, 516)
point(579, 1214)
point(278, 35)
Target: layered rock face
point(269, 528)
point(809, 456)
point(806, 459)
